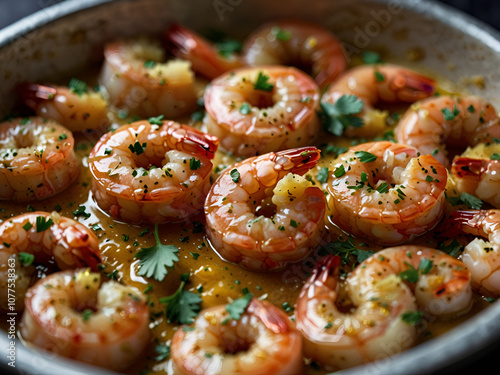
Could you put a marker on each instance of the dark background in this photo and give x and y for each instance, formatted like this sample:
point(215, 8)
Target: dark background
point(486, 10)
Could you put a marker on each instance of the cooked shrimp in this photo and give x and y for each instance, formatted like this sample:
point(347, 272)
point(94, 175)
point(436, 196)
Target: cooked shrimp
point(437, 123)
point(50, 238)
point(375, 325)
point(152, 173)
point(77, 111)
point(262, 341)
point(37, 159)
point(384, 192)
point(480, 256)
point(137, 82)
point(258, 110)
point(298, 43)
point(74, 314)
point(374, 84)
point(188, 45)
point(262, 214)
point(477, 172)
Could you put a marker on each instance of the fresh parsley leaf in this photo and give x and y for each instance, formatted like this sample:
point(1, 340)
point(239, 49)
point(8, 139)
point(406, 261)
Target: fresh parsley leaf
point(322, 175)
point(238, 306)
point(411, 274)
point(339, 171)
point(245, 109)
point(163, 352)
point(81, 212)
point(156, 120)
point(86, 314)
point(26, 259)
point(337, 150)
point(137, 147)
point(471, 201)
point(27, 226)
point(235, 175)
point(63, 136)
point(365, 157)
point(370, 57)
point(495, 156)
point(194, 163)
point(149, 64)
point(425, 266)
point(412, 318)
point(453, 249)
point(383, 188)
point(197, 116)
point(43, 224)
point(449, 115)
point(262, 84)
point(338, 116)
point(154, 260)
point(280, 34)
point(346, 248)
point(227, 47)
point(379, 76)
point(77, 86)
point(182, 306)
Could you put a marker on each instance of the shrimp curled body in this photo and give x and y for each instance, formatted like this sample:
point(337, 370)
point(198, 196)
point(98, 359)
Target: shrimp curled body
point(390, 198)
point(380, 299)
point(293, 42)
point(37, 159)
point(436, 123)
point(74, 314)
point(61, 240)
point(262, 341)
point(374, 85)
point(481, 255)
point(262, 216)
point(152, 173)
point(251, 121)
point(76, 111)
point(138, 82)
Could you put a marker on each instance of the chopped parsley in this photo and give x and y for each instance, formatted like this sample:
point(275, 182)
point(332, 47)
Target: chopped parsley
point(137, 147)
point(227, 47)
point(182, 306)
point(163, 352)
point(346, 248)
point(467, 199)
point(280, 34)
point(26, 259)
point(43, 224)
point(63, 136)
point(383, 188)
point(194, 163)
point(77, 86)
point(238, 306)
point(262, 84)
point(339, 171)
point(379, 76)
point(245, 109)
point(149, 64)
point(365, 157)
point(235, 175)
point(450, 115)
point(370, 57)
point(412, 318)
point(340, 115)
point(322, 175)
point(154, 260)
point(81, 212)
point(86, 314)
point(453, 249)
point(156, 120)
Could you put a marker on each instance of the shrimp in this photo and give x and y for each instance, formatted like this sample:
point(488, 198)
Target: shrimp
point(152, 173)
point(262, 341)
point(480, 256)
point(436, 123)
point(137, 82)
point(299, 43)
point(261, 214)
point(77, 111)
point(477, 172)
point(74, 314)
point(373, 84)
point(375, 326)
point(37, 159)
point(384, 192)
point(50, 238)
point(187, 45)
point(258, 110)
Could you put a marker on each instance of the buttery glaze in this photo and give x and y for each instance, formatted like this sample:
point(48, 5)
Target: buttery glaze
point(217, 279)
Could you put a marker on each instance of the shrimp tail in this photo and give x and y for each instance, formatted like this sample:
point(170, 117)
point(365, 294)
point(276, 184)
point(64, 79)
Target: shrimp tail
point(88, 257)
point(298, 160)
point(468, 221)
point(412, 86)
point(186, 138)
point(326, 271)
point(468, 167)
point(177, 40)
point(270, 317)
point(32, 94)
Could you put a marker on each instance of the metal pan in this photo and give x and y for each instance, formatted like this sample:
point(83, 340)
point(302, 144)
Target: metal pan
point(68, 36)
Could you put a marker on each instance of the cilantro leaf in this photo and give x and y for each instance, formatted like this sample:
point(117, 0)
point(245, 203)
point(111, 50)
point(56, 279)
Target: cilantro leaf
point(262, 84)
point(412, 318)
point(154, 260)
point(340, 115)
point(238, 306)
point(182, 306)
